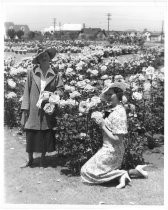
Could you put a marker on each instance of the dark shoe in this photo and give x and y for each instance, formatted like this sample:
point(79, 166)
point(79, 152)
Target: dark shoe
point(27, 164)
point(43, 162)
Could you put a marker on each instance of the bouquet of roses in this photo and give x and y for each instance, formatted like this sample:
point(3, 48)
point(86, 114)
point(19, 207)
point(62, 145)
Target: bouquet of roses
point(50, 100)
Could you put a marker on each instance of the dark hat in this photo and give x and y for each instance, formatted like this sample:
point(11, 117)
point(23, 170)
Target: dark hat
point(51, 52)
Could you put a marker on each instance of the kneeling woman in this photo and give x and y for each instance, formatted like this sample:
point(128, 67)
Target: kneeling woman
point(105, 165)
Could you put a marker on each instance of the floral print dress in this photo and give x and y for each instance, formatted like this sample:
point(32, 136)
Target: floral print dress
point(105, 164)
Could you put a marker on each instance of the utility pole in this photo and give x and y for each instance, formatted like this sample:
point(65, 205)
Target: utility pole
point(54, 24)
point(108, 20)
point(60, 29)
point(162, 31)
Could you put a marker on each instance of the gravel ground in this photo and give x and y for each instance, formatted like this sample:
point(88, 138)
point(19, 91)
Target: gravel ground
point(49, 186)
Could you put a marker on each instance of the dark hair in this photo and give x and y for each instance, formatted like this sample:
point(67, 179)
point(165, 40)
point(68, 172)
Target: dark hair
point(118, 92)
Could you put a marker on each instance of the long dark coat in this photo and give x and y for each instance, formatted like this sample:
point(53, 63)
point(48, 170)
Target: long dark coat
point(38, 119)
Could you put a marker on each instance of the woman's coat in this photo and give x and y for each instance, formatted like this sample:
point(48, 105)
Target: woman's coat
point(38, 119)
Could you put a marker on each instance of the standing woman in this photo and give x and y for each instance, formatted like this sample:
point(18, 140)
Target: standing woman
point(38, 125)
point(105, 165)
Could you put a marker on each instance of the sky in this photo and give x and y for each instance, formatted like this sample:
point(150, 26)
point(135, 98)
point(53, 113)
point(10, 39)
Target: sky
point(127, 15)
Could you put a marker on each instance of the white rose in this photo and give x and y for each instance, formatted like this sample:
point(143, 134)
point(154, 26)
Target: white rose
point(69, 72)
point(81, 84)
point(96, 99)
point(103, 68)
point(94, 72)
point(147, 86)
point(54, 99)
point(83, 107)
point(10, 95)
point(107, 82)
point(74, 94)
point(89, 88)
point(104, 77)
point(124, 100)
point(11, 83)
point(134, 86)
point(137, 96)
point(97, 116)
point(150, 70)
point(141, 77)
point(161, 77)
point(62, 103)
point(72, 102)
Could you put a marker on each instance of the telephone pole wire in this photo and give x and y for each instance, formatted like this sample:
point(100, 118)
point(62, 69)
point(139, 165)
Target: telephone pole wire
point(108, 20)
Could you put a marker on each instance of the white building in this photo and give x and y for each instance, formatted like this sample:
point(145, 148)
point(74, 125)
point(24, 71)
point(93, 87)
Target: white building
point(65, 27)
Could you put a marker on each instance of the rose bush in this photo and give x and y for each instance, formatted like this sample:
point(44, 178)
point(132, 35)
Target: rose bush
point(77, 135)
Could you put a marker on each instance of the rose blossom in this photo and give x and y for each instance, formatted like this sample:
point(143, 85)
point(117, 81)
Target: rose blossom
point(49, 108)
point(83, 107)
point(69, 88)
point(62, 103)
point(104, 77)
point(137, 96)
point(11, 95)
point(107, 82)
point(81, 84)
point(124, 99)
point(96, 99)
point(150, 70)
point(54, 99)
point(97, 116)
point(69, 72)
point(134, 86)
point(74, 94)
point(161, 77)
point(147, 86)
point(72, 102)
point(11, 83)
point(89, 88)
point(94, 72)
point(103, 68)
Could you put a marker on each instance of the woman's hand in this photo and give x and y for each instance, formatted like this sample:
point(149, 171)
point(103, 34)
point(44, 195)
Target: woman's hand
point(25, 115)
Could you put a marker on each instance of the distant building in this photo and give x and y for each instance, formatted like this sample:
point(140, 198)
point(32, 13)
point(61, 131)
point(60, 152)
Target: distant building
point(154, 36)
point(65, 27)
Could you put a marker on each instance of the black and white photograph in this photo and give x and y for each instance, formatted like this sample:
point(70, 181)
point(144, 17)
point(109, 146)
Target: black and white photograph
point(84, 102)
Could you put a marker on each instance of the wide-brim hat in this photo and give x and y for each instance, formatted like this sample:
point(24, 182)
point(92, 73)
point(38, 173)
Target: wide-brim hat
point(121, 85)
point(51, 52)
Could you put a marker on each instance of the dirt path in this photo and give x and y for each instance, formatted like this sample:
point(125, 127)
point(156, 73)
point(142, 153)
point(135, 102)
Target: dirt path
point(48, 186)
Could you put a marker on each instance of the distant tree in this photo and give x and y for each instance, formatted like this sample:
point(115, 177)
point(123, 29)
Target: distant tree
point(31, 35)
point(11, 33)
point(20, 33)
point(73, 35)
point(145, 30)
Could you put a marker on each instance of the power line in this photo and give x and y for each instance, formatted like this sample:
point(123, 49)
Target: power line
point(108, 20)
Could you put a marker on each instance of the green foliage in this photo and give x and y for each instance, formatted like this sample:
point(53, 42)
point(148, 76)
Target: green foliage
point(20, 33)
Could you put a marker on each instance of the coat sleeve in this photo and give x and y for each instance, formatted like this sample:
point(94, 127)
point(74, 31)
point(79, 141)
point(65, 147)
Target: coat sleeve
point(60, 85)
point(26, 96)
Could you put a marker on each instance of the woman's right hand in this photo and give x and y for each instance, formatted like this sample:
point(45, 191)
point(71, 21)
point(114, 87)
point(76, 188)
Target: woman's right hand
point(25, 115)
